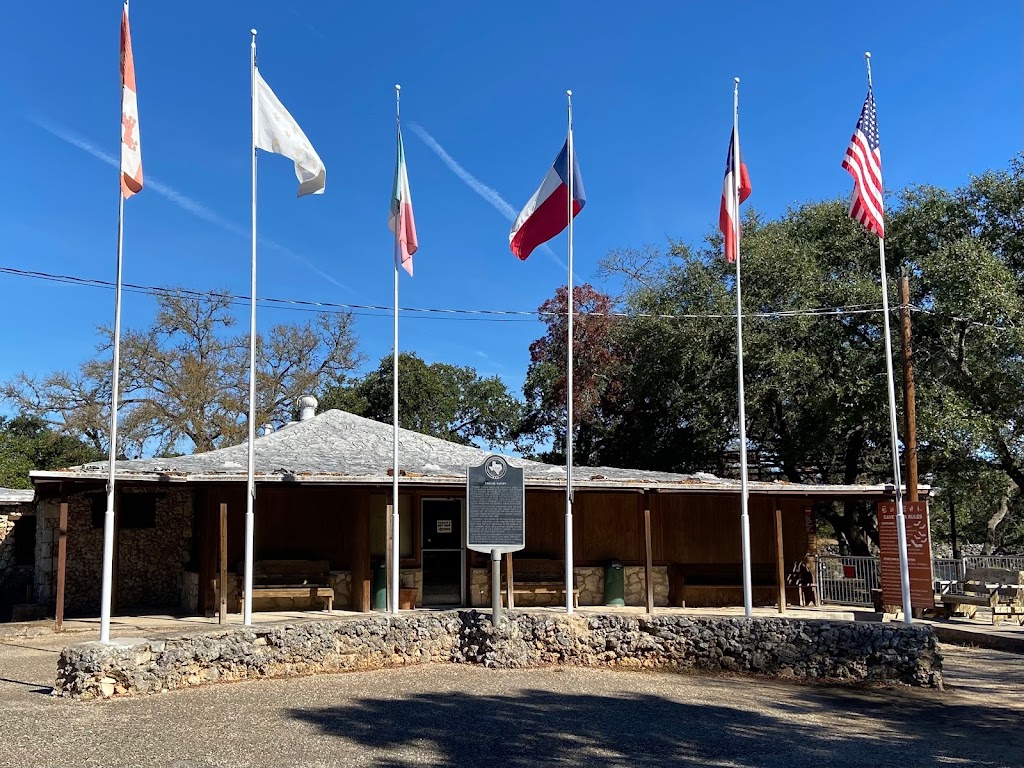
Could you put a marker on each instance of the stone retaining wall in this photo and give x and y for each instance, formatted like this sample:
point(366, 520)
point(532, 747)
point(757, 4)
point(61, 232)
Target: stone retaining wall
point(816, 649)
point(589, 581)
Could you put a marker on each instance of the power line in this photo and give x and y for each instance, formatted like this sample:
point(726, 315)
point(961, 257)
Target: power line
point(487, 315)
point(440, 313)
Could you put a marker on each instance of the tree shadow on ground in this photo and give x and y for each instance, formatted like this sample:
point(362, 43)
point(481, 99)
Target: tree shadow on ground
point(805, 726)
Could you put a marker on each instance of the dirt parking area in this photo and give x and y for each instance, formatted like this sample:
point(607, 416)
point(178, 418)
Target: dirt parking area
point(468, 716)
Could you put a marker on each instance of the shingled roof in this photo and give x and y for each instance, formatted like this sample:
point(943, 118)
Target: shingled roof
point(11, 496)
point(340, 447)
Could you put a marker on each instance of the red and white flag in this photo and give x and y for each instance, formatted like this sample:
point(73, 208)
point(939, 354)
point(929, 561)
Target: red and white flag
point(864, 162)
point(401, 221)
point(131, 147)
point(728, 213)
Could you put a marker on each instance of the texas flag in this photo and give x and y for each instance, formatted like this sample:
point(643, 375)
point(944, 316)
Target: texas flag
point(728, 214)
point(547, 213)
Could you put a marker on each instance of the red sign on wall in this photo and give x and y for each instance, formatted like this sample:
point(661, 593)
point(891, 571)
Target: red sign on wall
point(919, 554)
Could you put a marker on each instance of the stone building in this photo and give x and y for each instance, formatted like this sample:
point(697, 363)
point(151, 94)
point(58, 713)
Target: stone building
point(17, 549)
point(323, 488)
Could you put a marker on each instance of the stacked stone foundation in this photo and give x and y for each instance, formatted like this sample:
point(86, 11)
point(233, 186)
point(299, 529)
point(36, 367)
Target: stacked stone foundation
point(799, 648)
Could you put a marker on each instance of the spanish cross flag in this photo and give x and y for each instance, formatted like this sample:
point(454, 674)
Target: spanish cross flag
point(131, 147)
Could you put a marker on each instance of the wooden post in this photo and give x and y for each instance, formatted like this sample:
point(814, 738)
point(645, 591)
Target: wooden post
point(780, 563)
point(509, 599)
point(62, 561)
point(910, 406)
point(649, 565)
point(222, 578)
point(360, 553)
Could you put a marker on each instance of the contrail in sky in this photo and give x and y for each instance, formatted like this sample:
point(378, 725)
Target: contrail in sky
point(487, 193)
point(184, 202)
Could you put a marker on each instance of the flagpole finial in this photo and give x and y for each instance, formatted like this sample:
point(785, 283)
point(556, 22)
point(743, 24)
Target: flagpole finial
point(252, 32)
point(398, 87)
point(867, 54)
point(736, 80)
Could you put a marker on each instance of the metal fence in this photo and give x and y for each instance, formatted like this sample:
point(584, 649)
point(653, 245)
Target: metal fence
point(847, 580)
point(1013, 563)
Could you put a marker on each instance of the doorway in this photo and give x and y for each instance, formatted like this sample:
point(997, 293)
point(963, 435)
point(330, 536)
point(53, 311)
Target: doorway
point(444, 564)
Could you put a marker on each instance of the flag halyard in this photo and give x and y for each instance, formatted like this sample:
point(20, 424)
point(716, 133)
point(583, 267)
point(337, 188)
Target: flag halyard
point(131, 146)
point(401, 221)
point(864, 162)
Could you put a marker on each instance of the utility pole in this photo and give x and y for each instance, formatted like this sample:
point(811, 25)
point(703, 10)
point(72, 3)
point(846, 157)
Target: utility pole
point(910, 407)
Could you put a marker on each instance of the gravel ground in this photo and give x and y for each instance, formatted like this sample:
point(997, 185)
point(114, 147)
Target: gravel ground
point(469, 716)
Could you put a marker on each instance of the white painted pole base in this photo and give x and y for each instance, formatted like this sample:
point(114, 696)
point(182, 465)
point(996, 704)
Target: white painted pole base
point(250, 527)
point(569, 568)
point(108, 570)
point(395, 559)
point(748, 597)
point(901, 534)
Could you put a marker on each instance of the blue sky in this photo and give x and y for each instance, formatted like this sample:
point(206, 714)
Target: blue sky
point(652, 86)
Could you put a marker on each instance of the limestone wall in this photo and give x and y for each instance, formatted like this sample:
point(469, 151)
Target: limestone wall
point(150, 561)
point(15, 580)
point(47, 522)
point(818, 649)
point(9, 515)
point(589, 581)
point(190, 593)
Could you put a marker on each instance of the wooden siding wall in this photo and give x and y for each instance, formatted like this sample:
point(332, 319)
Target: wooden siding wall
point(334, 524)
point(706, 529)
point(307, 523)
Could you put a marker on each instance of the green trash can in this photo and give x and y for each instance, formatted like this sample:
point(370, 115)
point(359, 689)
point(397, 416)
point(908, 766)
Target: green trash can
point(614, 586)
point(379, 585)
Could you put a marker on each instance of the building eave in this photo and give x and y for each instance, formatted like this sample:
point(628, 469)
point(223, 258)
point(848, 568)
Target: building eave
point(451, 481)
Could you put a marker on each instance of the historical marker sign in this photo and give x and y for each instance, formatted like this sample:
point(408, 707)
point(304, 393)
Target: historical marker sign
point(919, 554)
point(495, 507)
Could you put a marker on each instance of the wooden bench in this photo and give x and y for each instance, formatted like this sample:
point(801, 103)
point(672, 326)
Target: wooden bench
point(717, 584)
point(999, 589)
point(289, 578)
point(536, 577)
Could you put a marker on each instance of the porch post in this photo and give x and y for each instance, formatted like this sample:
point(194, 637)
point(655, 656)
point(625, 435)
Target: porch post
point(780, 564)
point(360, 554)
point(222, 580)
point(649, 567)
point(62, 561)
point(509, 599)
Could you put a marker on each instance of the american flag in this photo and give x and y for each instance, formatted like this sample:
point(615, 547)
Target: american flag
point(864, 162)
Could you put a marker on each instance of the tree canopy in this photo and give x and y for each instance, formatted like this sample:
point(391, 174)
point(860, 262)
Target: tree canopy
point(447, 401)
point(184, 379)
point(658, 390)
point(27, 443)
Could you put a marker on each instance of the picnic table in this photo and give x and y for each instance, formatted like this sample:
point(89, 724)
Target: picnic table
point(999, 589)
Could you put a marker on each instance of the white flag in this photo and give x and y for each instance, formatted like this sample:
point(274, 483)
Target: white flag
point(277, 132)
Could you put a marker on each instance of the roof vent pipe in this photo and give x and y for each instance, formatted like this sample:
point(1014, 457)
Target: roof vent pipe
point(307, 407)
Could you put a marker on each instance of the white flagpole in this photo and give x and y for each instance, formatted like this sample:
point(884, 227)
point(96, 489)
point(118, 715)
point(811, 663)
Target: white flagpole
point(744, 516)
point(569, 580)
point(108, 518)
point(901, 523)
point(395, 532)
point(106, 589)
point(250, 495)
